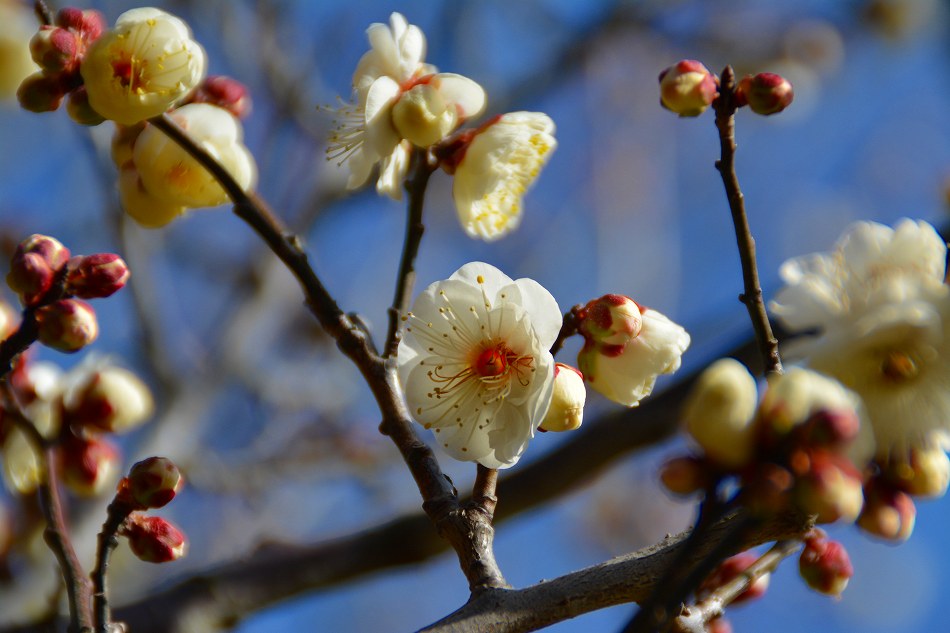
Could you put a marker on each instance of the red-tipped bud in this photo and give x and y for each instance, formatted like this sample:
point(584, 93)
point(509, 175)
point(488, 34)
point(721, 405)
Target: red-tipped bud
point(50, 249)
point(731, 568)
point(828, 485)
point(40, 93)
point(765, 93)
point(88, 464)
point(825, 566)
point(108, 399)
point(96, 276)
point(829, 428)
point(888, 513)
point(684, 475)
point(153, 539)
point(610, 320)
point(79, 109)
point(567, 402)
point(153, 482)
point(67, 325)
point(226, 93)
point(30, 277)
point(55, 49)
point(89, 24)
point(687, 88)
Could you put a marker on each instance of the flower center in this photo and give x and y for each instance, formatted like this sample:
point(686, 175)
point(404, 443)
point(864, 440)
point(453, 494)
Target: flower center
point(492, 362)
point(899, 367)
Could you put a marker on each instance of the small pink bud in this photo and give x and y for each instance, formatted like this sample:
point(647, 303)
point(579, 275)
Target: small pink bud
point(67, 325)
point(96, 276)
point(40, 93)
point(567, 402)
point(830, 428)
point(610, 320)
point(153, 482)
point(825, 566)
point(731, 568)
point(55, 49)
point(684, 475)
point(687, 88)
point(153, 539)
point(34, 267)
point(765, 93)
point(89, 24)
point(79, 109)
point(888, 513)
point(828, 485)
point(88, 464)
point(226, 93)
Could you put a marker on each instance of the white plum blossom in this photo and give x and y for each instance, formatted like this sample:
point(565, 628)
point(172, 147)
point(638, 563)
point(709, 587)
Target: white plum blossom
point(22, 466)
point(143, 66)
point(626, 372)
point(501, 162)
point(400, 101)
point(879, 311)
point(475, 363)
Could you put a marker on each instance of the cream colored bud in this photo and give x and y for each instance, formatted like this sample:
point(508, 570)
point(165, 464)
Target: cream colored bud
point(925, 474)
point(108, 398)
point(719, 412)
point(567, 402)
point(422, 116)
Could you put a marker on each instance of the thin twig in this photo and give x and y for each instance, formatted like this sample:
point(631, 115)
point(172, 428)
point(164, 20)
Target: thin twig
point(421, 169)
point(725, 106)
point(116, 514)
point(43, 12)
point(568, 328)
point(28, 331)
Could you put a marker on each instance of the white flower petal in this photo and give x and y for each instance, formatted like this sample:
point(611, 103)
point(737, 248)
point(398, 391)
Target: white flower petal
point(468, 96)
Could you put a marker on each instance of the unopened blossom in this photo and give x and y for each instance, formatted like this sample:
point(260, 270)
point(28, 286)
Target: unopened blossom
point(881, 311)
point(719, 411)
point(99, 396)
point(687, 88)
point(154, 539)
point(627, 373)
point(142, 67)
point(88, 465)
point(824, 564)
point(474, 362)
point(148, 210)
point(67, 325)
point(566, 412)
point(22, 466)
point(499, 165)
point(17, 26)
point(400, 101)
point(169, 173)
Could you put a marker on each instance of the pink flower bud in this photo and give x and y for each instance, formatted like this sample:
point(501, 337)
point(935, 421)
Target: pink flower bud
point(108, 399)
point(88, 464)
point(67, 325)
point(53, 252)
point(765, 93)
point(224, 92)
point(687, 88)
point(40, 93)
point(153, 482)
point(30, 277)
point(828, 485)
point(610, 320)
point(79, 109)
point(888, 513)
point(731, 568)
point(684, 475)
point(96, 276)
point(567, 402)
point(153, 539)
point(89, 24)
point(829, 428)
point(825, 566)
point(55, 49)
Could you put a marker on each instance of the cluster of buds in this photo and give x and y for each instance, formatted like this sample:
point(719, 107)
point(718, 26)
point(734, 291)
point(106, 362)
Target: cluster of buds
point(824, 564)
point(688, 88)
point(798, 448)
point(54, 284)
point(626, 347)
point(151, 483)
point(59, 49)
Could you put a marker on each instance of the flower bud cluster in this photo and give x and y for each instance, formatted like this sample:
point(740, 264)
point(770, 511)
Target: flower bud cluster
point(58, 49)
point(688, 88)
point(803, 446)
point(626, 347)
point(49, 281)
point(151, 483)
point(824, 564)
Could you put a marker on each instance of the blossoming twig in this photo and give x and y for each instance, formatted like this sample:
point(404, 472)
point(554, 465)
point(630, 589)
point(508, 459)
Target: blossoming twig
point(694, 618)
point(725, 106)
point(56, 535)
point(421, 169)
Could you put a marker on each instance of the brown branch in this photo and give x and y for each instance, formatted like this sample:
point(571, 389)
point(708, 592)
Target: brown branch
point(421, 169)
point(625, 579)
point(43, 12)
point(568, 328)
point(693, 619)
point(116, 514)
point(725, 106)
point(28, 331)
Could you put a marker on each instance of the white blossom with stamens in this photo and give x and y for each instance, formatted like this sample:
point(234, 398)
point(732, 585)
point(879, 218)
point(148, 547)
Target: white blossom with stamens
point(143, 66)
point(400, 101)
point(475, 364)
point(879, 313)
point(502, 161)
